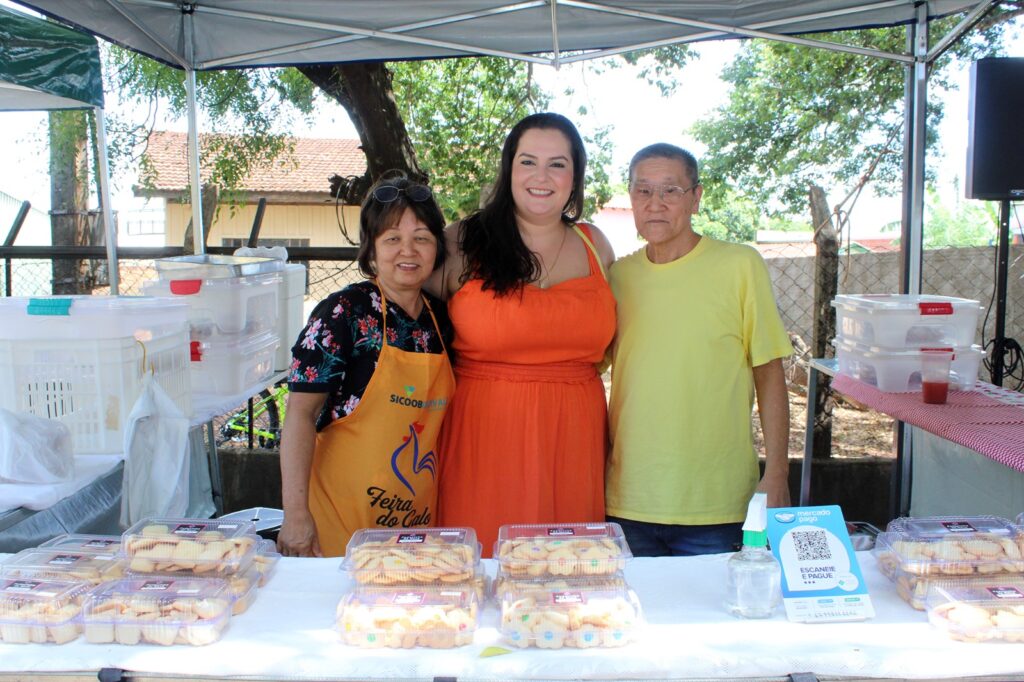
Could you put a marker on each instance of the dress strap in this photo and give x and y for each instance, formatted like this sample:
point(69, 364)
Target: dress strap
point(583, 230)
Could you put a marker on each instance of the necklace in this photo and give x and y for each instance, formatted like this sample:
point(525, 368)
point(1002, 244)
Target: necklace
point(549, 270)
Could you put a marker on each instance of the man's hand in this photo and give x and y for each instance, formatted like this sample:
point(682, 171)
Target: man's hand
point(298, 537)
point(777, 489)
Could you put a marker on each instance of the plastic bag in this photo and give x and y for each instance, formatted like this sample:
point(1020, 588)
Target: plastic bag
point(156, 467)
point(34, 449)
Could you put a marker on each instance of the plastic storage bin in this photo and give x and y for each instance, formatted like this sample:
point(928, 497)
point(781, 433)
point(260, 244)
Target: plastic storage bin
point(224, 306)
point(290, 317)
point(403, 618)
point(157, 610)
point(574, 549)
point(98, 544)
point(212, 266)
point(198, 546)
point(40, 611)
point(582, 617)
point(80, 360)
point(412, 556)
point(54, 563)
point(229, 367)
point(898, 321)
point(900, 370)
point(990, 611)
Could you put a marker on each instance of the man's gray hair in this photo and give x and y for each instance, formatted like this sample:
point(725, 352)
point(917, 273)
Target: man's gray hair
point(663, 150)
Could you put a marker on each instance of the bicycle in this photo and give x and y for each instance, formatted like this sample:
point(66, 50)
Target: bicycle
point(260, 422)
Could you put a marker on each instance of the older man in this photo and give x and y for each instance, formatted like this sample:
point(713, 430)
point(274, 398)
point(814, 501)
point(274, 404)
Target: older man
point(698, 334)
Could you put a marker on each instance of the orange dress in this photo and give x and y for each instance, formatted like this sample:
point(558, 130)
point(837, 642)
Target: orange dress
point(525, 438)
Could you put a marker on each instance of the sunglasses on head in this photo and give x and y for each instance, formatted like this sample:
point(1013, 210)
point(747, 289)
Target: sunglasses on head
point(388, 193)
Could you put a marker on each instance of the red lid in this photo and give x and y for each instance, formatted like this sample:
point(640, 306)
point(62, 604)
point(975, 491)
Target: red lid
point(185, 287)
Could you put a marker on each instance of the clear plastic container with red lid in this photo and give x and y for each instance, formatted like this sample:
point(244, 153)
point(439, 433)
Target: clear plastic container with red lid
point(40, 611)
point(412, 556)
point(906, 320)
point(536, 551)
point(581, 616)
point(100, 544)
point(989, 611)
point(157, 610)
point(407, 617)
point(192, 546)
point(55, 563)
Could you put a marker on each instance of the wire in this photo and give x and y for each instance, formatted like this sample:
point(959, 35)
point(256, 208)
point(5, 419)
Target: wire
point(1013, 354)
point(339, 188)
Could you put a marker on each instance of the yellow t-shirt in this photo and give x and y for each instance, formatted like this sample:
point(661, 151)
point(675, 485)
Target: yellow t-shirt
point(689, 332)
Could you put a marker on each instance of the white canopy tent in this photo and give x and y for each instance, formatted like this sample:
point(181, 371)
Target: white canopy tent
point(45, 67)
point(222, 34)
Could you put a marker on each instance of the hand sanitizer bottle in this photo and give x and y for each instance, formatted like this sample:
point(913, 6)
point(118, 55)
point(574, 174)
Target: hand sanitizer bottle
point(754, 583)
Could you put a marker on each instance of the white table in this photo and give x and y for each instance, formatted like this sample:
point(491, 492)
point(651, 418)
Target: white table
point(287, 633)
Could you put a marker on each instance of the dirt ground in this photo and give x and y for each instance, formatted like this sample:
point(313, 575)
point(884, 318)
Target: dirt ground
point(856, 432)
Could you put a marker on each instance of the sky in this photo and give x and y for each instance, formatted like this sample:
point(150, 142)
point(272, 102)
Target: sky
point(637, 112)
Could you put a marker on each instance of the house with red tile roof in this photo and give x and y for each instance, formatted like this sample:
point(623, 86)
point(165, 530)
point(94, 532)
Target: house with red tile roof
point(300, 210)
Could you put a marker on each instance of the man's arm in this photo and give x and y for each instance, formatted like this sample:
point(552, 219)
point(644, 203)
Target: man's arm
point(773, 407)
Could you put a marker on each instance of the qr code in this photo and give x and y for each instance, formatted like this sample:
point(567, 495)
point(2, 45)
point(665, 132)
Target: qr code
point(811, 545)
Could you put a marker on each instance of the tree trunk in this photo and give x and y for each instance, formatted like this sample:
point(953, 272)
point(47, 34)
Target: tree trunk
point(69, 192)
point(365, 90)
point(826, 282)
point(208, 197)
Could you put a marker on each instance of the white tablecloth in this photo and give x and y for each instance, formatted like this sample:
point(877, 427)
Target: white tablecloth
point(287, 633)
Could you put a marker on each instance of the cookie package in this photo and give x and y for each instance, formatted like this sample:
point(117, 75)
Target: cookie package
point(40, 611)
point(573, 549)
point(55, 563)
point(77, 542)
point(988, 611)
point(407, 617)
point(201, 547)
point(412, 557)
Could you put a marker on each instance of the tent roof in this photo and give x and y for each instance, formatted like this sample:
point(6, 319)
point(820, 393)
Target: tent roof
point(46, 66)
point(212, 34)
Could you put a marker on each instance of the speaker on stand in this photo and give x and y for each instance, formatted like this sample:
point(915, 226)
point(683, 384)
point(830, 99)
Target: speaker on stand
point(995, 165)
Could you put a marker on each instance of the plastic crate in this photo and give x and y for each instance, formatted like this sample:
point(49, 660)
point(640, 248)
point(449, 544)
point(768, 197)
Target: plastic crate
point(81, 361)
point(893, 371)
point(900, 321)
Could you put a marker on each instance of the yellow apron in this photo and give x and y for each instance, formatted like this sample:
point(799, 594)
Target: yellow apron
point(377, 466)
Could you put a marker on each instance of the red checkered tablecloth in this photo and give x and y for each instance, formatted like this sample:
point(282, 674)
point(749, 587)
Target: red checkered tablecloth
point(989, 419)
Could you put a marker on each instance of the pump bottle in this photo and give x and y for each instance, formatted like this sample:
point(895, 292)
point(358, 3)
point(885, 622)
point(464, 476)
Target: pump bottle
point(754, 581)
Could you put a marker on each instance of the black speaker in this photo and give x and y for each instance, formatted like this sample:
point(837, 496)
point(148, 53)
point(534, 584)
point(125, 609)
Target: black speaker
point(995, 138)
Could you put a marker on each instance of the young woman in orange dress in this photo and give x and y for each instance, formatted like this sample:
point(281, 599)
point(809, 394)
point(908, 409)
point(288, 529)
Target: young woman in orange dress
point(525, 438)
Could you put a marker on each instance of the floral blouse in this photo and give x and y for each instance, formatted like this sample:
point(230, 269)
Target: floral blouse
point(337, 350)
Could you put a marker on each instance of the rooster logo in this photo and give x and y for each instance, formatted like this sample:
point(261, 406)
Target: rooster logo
point(427, 462)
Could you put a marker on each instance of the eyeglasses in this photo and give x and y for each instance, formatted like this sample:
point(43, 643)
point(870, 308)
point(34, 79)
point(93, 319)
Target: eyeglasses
point(670, 194)
point(388, 193)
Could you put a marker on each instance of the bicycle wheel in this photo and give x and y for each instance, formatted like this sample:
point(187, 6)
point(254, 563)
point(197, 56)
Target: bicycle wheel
point(266, 424)
point(267, 427)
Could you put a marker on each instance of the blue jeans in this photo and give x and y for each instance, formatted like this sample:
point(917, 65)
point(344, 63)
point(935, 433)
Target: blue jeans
point(660, 539)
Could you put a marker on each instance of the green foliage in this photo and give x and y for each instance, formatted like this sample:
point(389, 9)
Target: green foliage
point(800, 115)
point(967, 223)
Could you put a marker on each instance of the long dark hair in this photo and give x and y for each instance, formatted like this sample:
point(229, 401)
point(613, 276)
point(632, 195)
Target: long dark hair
point(490, 239)
point(376, 216)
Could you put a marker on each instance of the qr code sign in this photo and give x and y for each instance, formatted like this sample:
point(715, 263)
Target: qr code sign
point(811, 545)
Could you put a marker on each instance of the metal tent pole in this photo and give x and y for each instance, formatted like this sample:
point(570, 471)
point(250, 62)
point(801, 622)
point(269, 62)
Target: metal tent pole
point(113, 273)
point(195, 180)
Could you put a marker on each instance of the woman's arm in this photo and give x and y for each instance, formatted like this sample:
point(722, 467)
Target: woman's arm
point(444, 281)
point(298, 532)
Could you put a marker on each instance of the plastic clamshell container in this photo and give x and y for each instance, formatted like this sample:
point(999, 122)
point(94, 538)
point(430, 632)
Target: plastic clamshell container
point(893, 371)
point(412, 556)
point(40, 611)
point(407, 617)
point(243, 587)
point(581, 616)
point(953, 547)
point(213, 266)
point(157, 610)
point(505, 585)
point(231, 367)
point(265, 561)
point(189, 546)
point(77, 542)
point(53, 563)
point(224, 307)
point(898, 321)
point(536, 551)
point(989, 611)
point(80, 360)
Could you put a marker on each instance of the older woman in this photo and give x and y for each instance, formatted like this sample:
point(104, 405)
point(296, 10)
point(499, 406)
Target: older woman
point(525, 438)
point(369, 386)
